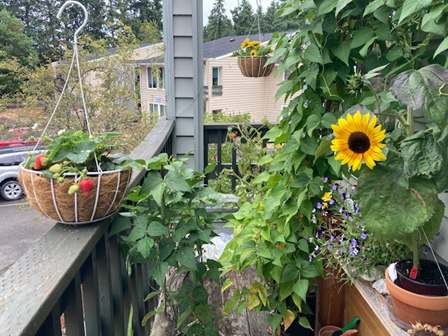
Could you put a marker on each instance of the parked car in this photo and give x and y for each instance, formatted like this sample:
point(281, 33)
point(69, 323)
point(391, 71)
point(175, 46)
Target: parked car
point(10, 158)
point(19, 137)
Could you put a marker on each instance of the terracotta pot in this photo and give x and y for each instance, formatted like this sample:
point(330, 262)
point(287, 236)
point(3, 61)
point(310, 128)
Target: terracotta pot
point(412, 308)
point(254, 66)
point(328, 330)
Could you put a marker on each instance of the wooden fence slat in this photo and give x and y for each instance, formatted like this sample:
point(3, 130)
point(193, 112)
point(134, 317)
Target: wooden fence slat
point(117, 285)
point(91, 296)
point(73, 308)
point(105, 288)
point(52, 325)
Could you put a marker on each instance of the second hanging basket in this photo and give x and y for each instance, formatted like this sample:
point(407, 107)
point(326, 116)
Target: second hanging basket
point(255, 66)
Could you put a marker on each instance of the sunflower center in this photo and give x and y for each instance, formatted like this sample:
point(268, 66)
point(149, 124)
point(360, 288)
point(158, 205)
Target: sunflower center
point(359, 142)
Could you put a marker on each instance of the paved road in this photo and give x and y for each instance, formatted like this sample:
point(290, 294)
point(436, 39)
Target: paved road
point(20, 227)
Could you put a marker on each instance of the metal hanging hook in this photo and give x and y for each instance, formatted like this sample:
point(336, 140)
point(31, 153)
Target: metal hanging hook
point(86, 16)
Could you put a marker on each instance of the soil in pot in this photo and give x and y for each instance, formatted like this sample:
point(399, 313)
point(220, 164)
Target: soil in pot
point(429, 282)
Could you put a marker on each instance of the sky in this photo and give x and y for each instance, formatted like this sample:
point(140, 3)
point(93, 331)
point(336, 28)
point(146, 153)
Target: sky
point(230, 4)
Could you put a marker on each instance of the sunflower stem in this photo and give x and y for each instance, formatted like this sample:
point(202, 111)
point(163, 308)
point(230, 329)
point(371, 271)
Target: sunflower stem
point(410, 122)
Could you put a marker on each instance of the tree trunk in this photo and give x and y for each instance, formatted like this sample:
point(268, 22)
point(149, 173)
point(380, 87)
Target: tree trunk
point(248, 323)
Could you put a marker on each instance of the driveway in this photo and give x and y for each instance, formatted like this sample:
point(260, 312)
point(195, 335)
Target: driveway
point(21, 226)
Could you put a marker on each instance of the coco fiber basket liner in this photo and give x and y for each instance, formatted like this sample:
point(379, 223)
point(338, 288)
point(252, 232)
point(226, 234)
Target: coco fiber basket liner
point(51, 198)
point(254, 66)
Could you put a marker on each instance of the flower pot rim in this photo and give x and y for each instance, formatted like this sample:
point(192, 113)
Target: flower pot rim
point(438, 302)
point(418, 282)
point(89, 173)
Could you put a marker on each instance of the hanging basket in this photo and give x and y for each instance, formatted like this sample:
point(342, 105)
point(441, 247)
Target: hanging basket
point(51, 198)
point(254, 66)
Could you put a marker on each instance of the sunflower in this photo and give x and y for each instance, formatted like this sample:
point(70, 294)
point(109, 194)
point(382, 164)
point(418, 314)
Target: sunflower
point(253, 52)
point(245, 43)
point(358, 140)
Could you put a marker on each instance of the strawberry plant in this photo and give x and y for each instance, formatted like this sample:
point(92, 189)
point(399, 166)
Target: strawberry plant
point(79, 153)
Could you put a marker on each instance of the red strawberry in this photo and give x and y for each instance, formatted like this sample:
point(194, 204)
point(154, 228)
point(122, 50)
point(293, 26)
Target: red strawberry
point(38, 164)
point(86, 186)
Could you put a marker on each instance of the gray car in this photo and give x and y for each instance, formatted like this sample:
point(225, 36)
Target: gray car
point(10, 158)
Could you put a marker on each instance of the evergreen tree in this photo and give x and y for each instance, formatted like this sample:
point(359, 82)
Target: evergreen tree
point(244, 19)
point(219, 25)
point(269, 22)
point(16, 52)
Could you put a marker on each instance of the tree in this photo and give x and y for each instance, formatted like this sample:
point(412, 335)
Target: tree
point(243, 18)
point(16, 51)
point(271, 23)
point(219, 25)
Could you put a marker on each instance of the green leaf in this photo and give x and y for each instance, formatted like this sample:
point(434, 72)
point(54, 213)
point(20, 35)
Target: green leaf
point(151, 295)
point(137, 232)
point(312, 122)
point(442, 47)
point(144, 246)
point(432, 22)
point(326, 7)
point(265, 160)
point(342, 51)
point(362, 36)
point(176, 182)
point(241, 306)
point(166, 247)
point(263, 177)
point(203, 313)
point(286, 290)
point(373, 6)
point(274, 321)
point(156, 229)
point(420, 89)
point(312, 52)
point(152, 180)
point(412, 6)
point(341, 5)
point(227, 283)
point(303, 321)
point(200, 294)
point(363, 52)
point(211, 167)
point(300, 181)
point(309, 270)
point(390, 210)
point(329, 119)
point(158, 271)
point(309, 145)
point(186, 256)
point(421, 154)
point(290, 273)
point(119, 224)
point(301, 288)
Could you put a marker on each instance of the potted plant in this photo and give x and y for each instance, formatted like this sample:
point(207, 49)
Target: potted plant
point(348, 249)
point(78, 179)
point(252, 58)
point(398, 192)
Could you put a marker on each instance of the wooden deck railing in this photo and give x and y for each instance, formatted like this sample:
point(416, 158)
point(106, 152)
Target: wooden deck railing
point(74, 281)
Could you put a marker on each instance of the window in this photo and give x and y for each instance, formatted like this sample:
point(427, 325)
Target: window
point(216, 76)
point(158, 109)
point(156, 78)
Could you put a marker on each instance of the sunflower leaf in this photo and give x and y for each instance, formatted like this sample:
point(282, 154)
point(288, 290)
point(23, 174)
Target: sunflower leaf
point(422, 154)
point(420, 89)
point(400, 211)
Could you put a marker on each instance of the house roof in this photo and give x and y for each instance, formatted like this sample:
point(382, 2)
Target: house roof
point(229, 44)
